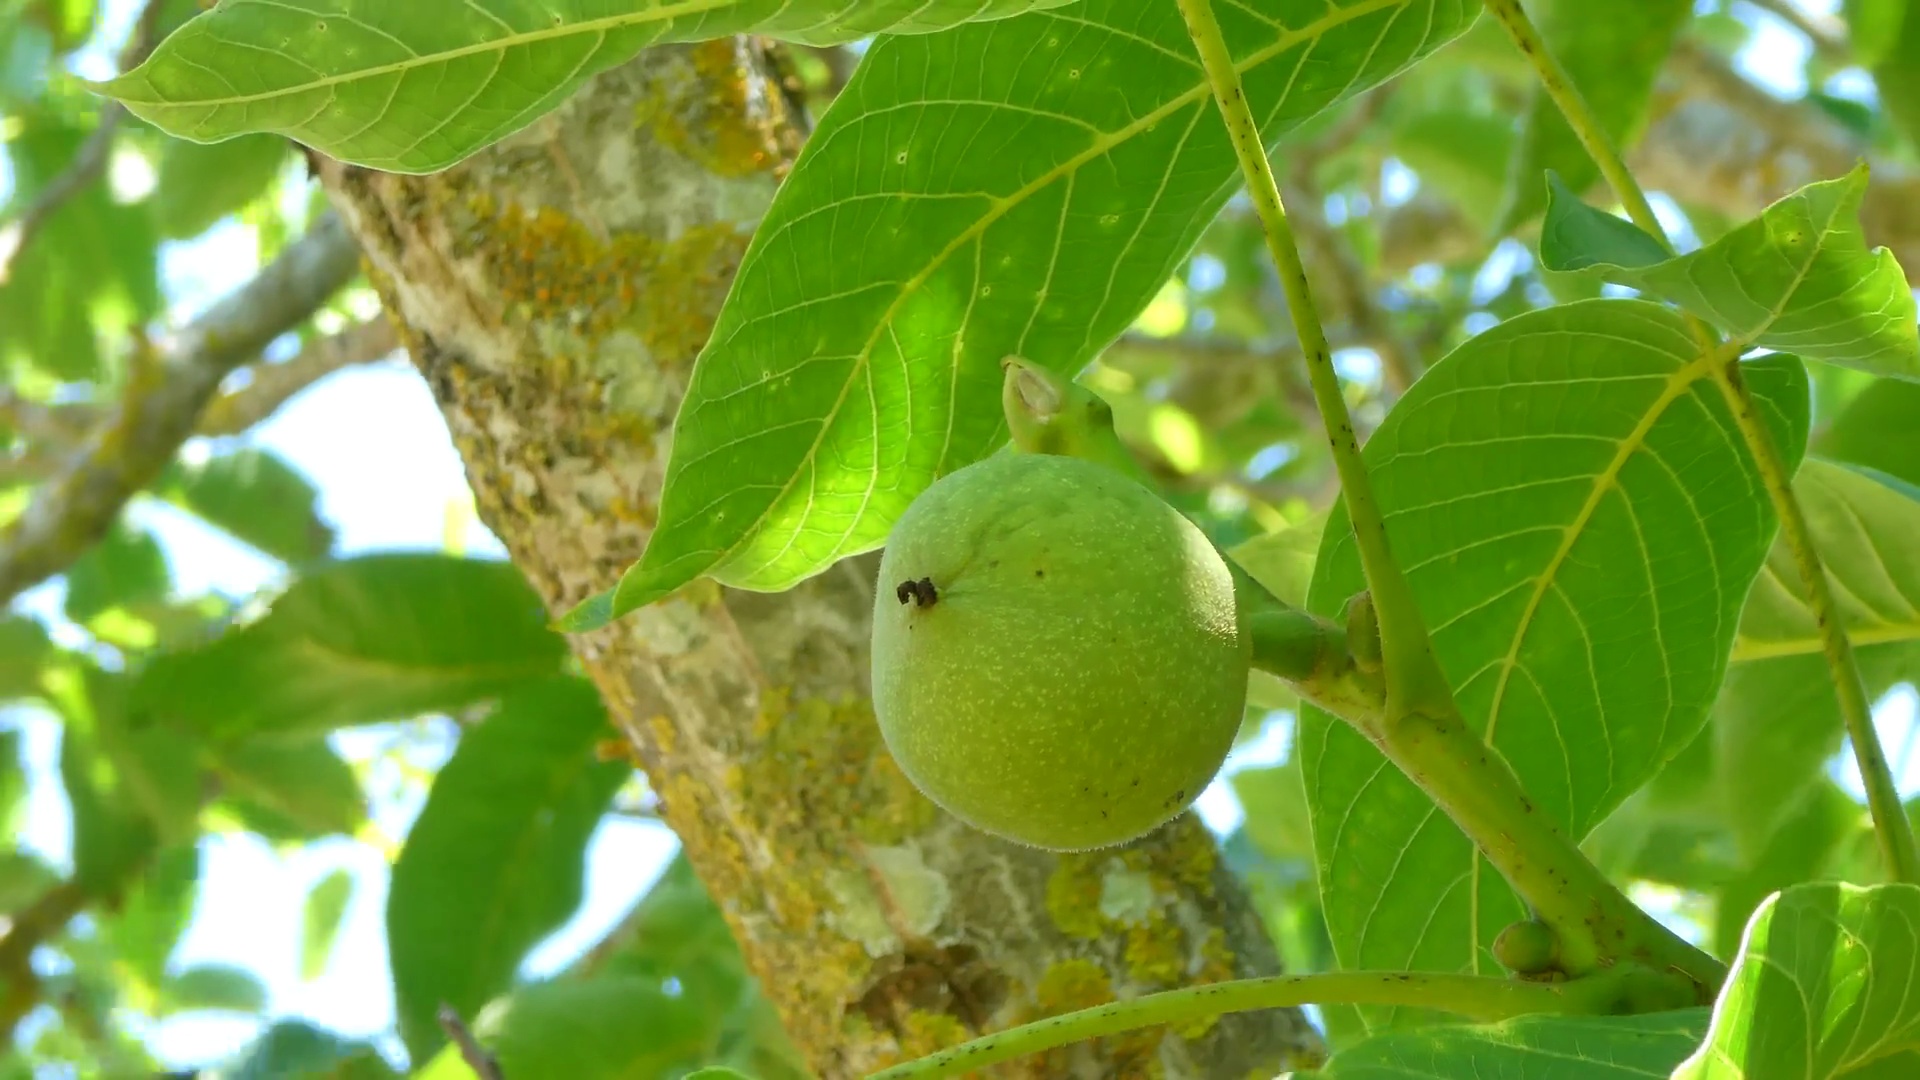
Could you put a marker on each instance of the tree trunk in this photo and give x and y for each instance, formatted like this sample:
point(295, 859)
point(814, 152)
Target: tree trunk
point(554, 291)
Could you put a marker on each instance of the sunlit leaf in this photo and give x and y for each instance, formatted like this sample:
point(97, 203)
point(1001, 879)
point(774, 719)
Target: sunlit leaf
point(153, 911)
point(599, 1029)
point(1778, 719)
point(1824, 984)
point(1529, 1048)
point(1022, 186)
point(361, 640)
point(1798, 278)
point(415, 87)
point(23, 647)
point(125, 568)
point(1612, 52)
point(320, 920)
point(495, 860)
point(1580, 523)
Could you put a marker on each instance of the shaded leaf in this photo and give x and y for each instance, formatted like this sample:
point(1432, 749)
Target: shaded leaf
point(152, 914)
point(412, 89)
point(1873, 28)
point(1276, 807)
point(198, 184)
point(258, 498)
point(1798, 278)
point(1529, 1048)
point(125, 569)
point(111, 836)
point(1463, 153)
point(1580, 524)
point(1801, 850)
point(1612, 52)
point(212, 987)
point(24, 876)
point(1897, 75)
point(1877, 429)
point(361, 640)
point(1824, 983)
point(23, 648)
point(1022, 186)
point(495, 860)
point(1777, 719)
point(299, 789)
point(320, 920)
point(297, 1050)
point(598, 1029)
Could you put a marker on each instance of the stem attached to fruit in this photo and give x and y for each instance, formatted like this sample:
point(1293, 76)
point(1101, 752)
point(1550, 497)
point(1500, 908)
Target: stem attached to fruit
point(1309, 654)
point(1476, 997)
point(1890, 822)
point(1413, 678)
point(1422, 730)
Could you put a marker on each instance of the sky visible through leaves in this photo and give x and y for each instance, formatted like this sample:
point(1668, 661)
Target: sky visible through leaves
point(374, 445)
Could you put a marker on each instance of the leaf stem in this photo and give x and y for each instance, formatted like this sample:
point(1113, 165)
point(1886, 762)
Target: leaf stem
point(1413, 678)
point(1890, 823)
point(1477, 997)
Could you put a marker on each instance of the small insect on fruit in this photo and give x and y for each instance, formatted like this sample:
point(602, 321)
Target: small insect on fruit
point(1079, 673)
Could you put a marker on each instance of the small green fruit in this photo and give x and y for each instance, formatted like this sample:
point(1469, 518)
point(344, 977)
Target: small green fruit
point(1056, 653)
point(1528, 947)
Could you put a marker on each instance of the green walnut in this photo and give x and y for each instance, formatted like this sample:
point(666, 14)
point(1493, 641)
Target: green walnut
point(1527, 948)
point(1056, 654)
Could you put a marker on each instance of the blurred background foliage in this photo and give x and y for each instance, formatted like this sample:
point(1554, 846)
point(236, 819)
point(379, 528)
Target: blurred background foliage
point(400, 736)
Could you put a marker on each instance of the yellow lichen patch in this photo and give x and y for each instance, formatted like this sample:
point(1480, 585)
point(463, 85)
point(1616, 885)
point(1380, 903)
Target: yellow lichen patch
point(1073, 895)
point(1155, 952)
point(924, 1032)
point(826, 756)
point(1069, 985)
point(734, 128)
point(1074, 984)
point(1216, 965)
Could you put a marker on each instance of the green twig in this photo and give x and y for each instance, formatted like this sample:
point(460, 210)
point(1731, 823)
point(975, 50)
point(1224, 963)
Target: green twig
point(1891, 827)
point(1413, 678)
point(1476, 997)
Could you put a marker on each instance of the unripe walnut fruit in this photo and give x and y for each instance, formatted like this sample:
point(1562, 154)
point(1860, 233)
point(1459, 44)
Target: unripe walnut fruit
point(1056, 654)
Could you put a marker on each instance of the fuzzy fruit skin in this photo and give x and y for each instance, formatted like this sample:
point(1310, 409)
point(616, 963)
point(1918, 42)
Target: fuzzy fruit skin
point(1080, 673)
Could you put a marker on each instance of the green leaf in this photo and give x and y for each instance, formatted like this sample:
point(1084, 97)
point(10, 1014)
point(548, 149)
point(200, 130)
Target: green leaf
point(24, 877)
point(494, 862)
point(297, 1050)
point(1824, 984)
point(1798, 278)
point(1022, 186)
point(326, 905)
point(414, 88)
point(147, 923)
point(358, 641)
point(1463, 153)
point(125, 569)
point(23, 648)
point(599, 1029)
point(718, 1072)
point(258, 498)
point(1873, 28)
point(111, 836)
point(1800, 850)
point(293, 789)
point(1580, 523)
point(1612, 52)
point(198, 184)
point(1777, 720)
point(159, 771)
point(212, 987)
point(92, 266)
point(1877, 429)
point(1897, 75)
point(1529, 1048)
point(1276, 807)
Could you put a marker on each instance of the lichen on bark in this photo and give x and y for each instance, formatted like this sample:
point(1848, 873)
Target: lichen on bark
point(554, 291)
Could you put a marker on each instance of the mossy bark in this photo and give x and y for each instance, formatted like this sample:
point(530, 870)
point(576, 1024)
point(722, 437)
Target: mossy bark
point(554, 291)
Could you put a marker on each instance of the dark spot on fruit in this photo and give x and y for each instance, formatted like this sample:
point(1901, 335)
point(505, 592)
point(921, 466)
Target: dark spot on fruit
point(920, 592)
point(1039, 573)
point(1136, 781)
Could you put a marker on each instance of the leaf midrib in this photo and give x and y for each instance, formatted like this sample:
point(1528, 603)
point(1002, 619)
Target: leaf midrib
point(666, 13)
point(998, 208)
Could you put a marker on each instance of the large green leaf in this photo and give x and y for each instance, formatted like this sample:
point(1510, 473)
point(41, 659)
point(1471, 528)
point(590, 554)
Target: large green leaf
point(1877, 429)
point(416, 87)
point(1612, 52)
point(297, 1050)
point(145, 925)
point(607, 1028)
point(495, 860)
point(290, 789)
point(1580, 524)
point(1022, 186)
point(1777, 720)
point(1802, 849)
point(1529, 1048)
point(112, 836)
point(198, 184)
point(259, 498)
point(1798, 278)
point(362, 640)
point(1824, 984)
point(1897, 74)
point(24, 646)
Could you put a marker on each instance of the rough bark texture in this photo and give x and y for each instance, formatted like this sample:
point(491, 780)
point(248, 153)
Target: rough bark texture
point(554, 292)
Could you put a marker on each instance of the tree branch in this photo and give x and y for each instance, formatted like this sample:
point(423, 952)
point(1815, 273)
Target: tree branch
point(272, 385)
point(45, 917)
point(482, 1063)
point(164, 398)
